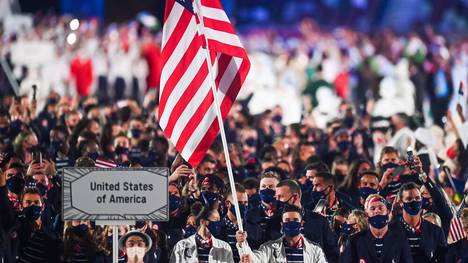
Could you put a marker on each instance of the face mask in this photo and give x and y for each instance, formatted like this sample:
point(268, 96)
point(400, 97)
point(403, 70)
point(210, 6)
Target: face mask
point(136, 133)
point(4, 130)
point(189, 231)
point(426, 203)
point(215, 228)
point(378, 221)
point(267, 195)
point(93, 155)
point(343, 145)
point(119, 150)
point(251, 142)
point(80, 230)
point(138, 252)
point(42, 188)
point(348, 122)
point(307, 186)
point(174, 202)
point(317, 195)
point(140, 224)
point(347, 229)
point(32, 212)
point(387, 166)
point(254, 200)
point(209, 198)
point(280, 205)
point(364, 192)
point(16, 125)
point(242, 208)
point(292, 228)
point(413, 207)
point(277, 118)
point(57, 145)
point(15, 184)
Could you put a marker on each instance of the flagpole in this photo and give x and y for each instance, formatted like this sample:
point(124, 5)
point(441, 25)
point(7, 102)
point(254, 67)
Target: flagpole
point(201, 27)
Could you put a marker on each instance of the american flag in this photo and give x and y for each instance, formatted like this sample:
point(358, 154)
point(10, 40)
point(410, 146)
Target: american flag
point(103, 163)
point(456, 231)
point(187, 111)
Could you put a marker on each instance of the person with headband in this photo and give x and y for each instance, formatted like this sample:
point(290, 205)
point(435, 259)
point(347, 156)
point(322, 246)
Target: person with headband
point(382, 242)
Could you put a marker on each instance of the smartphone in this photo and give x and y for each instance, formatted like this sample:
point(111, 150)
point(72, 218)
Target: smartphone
point(34, 87)
point(398, 170)
point(122, 103)
point(410, 157)
point(320, 207)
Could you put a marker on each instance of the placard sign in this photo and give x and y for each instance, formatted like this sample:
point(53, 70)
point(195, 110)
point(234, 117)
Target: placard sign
point(115, 194)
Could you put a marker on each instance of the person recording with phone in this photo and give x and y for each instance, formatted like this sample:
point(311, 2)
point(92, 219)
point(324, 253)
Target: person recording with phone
point(394, 173)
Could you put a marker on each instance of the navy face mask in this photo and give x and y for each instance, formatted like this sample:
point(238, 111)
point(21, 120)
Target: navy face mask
point(426, 203)
point(251, 142)
point(80, 230)
point(42, 188)
point(347, 229)
point(4, 130)
point(136, 133)
point(93, 155)
point(56, 144)
point(317, 195)
point(32, 212)
point(254, 200)
point(267, 195)
point(210, 198)
point(15, 184)
point(242, 208)
point(215, 228)
point(280, 205)
point(291, 228)
point(119, 150)
point(378, 221)
point(174, 202)
point(364, 192)
point(189, 231)
point(413, 207)
point(343, 145)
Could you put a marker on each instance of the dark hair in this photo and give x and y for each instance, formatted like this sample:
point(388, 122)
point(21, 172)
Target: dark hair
point(292, 208)
point(270, 174)
point(292, 185)
point(228, 191)
point(327, 177)
point(318, 166)
point(204, 214)
point(407, 187)
point(387, 150)
point(371, 173)
point(351, 181)
point(31, 191)
point(208, 158)
point(251, 183)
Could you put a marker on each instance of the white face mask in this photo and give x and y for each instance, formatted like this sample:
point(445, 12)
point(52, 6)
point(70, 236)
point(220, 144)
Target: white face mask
point(138, 252)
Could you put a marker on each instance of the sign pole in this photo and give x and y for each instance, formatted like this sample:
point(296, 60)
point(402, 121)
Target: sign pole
point(115, 244)
point(197, 9)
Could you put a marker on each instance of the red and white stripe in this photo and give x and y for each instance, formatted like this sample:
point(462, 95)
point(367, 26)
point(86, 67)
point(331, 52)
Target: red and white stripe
point(103, 163)
point(186, 110)
point(456, 230)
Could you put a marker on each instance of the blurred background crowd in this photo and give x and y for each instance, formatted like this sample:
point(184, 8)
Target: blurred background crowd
point(335, 87)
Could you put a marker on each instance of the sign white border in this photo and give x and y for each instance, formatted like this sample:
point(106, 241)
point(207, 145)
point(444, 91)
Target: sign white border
point(69, 212)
